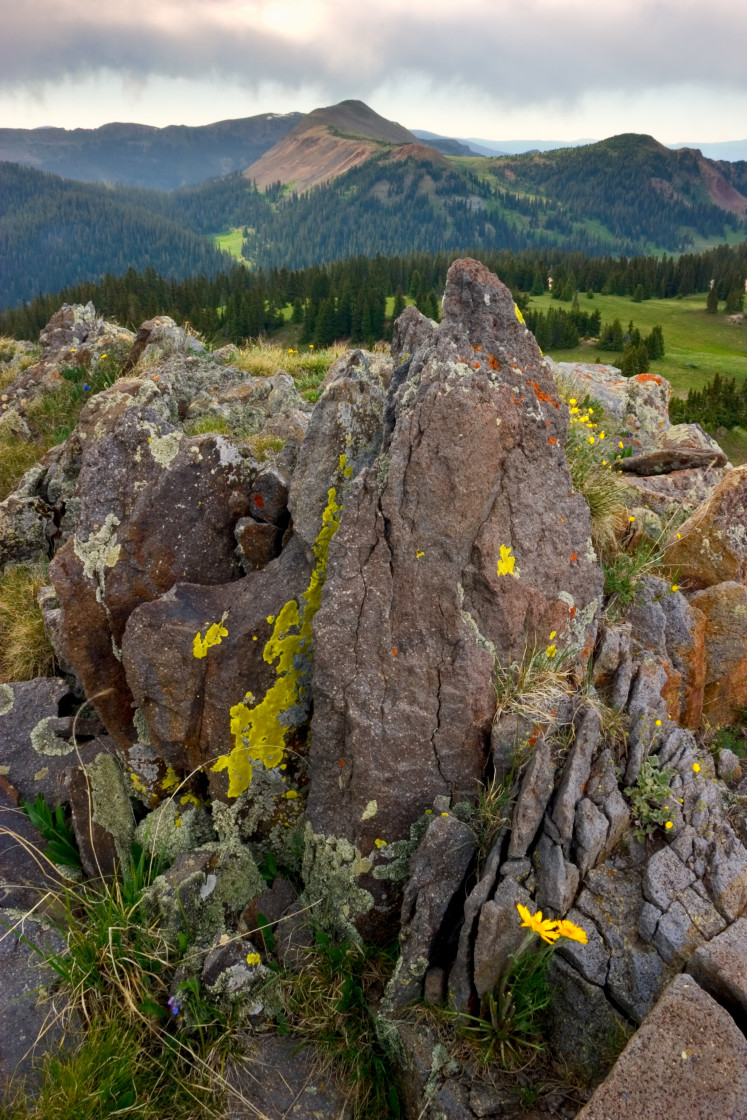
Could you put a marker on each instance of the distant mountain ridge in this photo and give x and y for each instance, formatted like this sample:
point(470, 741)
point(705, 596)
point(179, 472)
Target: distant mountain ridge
point(343, 181)
point(140, 155)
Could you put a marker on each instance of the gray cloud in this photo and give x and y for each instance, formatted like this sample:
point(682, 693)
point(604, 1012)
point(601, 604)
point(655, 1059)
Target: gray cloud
point(528, 53)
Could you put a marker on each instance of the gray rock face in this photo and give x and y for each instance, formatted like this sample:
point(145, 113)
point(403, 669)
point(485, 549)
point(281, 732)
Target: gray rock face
point(575, 775)
point(583, 1026)
point(667, 460)
point(687, 1051)
point(536, 790)
point(280, 1078)
point(419, 592)
point(23, 1010)
point(437, 871)
point(32, 757)
point(557, 878)
point(720, 967)
point(499, 934)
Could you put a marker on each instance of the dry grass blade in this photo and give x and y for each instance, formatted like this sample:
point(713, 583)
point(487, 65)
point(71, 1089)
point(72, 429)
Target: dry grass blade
point(25, 649)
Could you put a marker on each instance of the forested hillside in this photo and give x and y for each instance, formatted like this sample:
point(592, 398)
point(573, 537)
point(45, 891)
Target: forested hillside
point(637, 188)
point(56, 232)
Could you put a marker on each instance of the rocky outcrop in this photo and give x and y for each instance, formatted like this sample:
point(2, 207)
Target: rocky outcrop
point(638, 405)
point(711, 546)
point(464, 543)
point(688, 1050)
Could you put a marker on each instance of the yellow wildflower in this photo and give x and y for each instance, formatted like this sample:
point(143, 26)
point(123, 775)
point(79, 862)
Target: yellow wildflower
point(253, 959)
point(631, 518)
point(602, 435)
point(551, 651)
point(572, 931)
point(669, 824)
point(621, 444)
point(696, 767)
point(418, 554)
point(591, 439)
point(658, 723)
point(380, 843)
point(675, 586)
point(546, 929)
point(553, 634)
point(572, 400)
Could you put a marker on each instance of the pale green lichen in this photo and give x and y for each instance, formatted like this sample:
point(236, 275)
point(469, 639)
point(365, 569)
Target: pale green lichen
point(141, 727)
point(259, 730)
point(470, 622)
point(330, 868)
point(100, 551)
point(164, 449)
point(171, 829)
point(111, 803)
point(45, 740)
point(399, 852)
point(382, 471)
point(7, 699)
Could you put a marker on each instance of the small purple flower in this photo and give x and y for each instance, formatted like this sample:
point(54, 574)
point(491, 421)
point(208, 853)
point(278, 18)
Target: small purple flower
point(86, 388)
point(174, 1004)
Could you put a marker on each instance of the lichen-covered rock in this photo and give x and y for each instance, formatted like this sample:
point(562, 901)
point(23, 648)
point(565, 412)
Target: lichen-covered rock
point(102, 816)
point(724, 607)
point(155, 508)
point(688, 1051)
point(32, 756)
point(668, 495)
point(188, 697)
point(639, 405)
point(711, 546)
point(461, 545)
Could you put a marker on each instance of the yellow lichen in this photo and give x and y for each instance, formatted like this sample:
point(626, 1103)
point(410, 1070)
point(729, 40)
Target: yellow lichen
point(507, 563)
point(214, 636)
point(259, 731)
point(518, 314)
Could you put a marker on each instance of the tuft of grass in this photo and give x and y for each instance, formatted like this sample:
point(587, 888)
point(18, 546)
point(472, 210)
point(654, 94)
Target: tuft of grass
point(25, 649)
point(535, 686)
point(208, 425)
point(330, 1003)
point(51, 418)
point(264, 446)
point(265, 359)
point(55, 827)
point(492, 813)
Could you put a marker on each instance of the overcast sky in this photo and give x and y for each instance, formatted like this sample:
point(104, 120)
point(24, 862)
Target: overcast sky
point(543, 69)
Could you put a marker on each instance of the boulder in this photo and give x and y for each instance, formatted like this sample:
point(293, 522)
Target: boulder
point(155, 508)
point(32, 1023)
point(667, 460)
point(667, 495)
point(689, 1052)
point(639, 405)
point(724, 607)
point(187, 699)
point(464, 543)
point(711, 546)
point(499, 934)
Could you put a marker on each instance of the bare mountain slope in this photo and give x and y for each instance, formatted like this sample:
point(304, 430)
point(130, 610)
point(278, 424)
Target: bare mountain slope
point(327, 143)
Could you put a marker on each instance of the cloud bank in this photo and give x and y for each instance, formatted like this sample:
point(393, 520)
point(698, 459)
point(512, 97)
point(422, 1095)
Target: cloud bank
point(528, 54)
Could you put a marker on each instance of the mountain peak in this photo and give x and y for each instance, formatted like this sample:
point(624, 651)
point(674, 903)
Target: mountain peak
point(326, 143)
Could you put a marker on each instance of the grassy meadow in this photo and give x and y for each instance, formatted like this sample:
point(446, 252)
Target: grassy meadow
point(698, 345)
point(231, 241)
